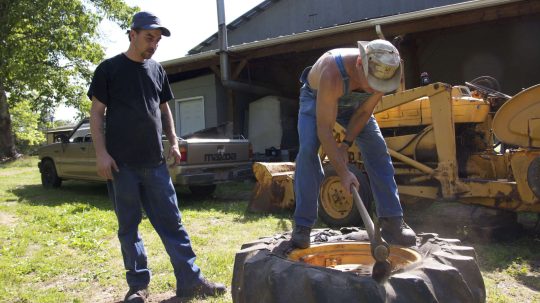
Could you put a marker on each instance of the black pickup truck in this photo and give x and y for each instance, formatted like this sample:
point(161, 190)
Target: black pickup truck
point(205, 162)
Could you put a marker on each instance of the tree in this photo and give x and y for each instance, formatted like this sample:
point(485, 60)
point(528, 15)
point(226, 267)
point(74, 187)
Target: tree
point(47, 51)
point(25, 126)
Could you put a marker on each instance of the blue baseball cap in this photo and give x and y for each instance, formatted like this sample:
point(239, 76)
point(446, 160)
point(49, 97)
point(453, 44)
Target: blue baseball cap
point(147, 20)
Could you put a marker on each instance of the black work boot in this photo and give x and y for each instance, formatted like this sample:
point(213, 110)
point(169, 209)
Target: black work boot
point(300, 236)
point(137, 295)
point(204, 289)
point(395, 231)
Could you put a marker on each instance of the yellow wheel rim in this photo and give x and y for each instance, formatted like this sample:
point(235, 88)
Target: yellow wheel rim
point(353, 257)
point(333, 198)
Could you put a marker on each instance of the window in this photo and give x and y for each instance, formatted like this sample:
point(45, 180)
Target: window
point(189, 115)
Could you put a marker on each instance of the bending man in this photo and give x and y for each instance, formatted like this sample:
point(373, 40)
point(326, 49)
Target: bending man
point(328, 94)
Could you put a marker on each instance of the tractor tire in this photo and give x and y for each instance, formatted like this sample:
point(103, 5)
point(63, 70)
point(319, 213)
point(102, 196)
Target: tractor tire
point(336, 209)
point(445, 271)
point(49, 177)
point(533, 176)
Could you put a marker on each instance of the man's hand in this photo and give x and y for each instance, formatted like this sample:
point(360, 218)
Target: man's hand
point(348, 180)
point(174, 152)
point(343, 150)
point(105, 164)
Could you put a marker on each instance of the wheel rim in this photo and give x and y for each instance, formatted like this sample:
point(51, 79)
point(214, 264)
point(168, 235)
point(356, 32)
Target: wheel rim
point(333, 198)
point(353, 257)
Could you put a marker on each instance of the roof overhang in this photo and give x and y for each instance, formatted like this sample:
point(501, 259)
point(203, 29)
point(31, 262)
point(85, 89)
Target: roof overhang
point(471, 12)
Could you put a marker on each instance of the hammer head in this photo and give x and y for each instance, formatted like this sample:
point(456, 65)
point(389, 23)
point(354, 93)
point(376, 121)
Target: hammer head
point(381, 271)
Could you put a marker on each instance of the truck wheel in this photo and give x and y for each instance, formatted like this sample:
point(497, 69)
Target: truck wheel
point(49, 178)
point(335, 208)
point(337, 268)
point(202, 190)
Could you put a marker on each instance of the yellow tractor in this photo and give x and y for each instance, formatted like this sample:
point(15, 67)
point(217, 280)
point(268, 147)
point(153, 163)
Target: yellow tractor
point(470, 144)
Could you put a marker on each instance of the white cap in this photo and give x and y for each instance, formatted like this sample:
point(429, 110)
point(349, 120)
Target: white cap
point(382, 64)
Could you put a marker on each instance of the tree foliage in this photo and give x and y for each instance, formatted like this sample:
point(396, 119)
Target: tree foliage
point(26, 126)
point(48, 49)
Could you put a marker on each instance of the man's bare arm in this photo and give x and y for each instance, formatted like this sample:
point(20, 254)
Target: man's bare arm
point(361, 116)
point(104, 161)
point(168, 129)
point(329, 90)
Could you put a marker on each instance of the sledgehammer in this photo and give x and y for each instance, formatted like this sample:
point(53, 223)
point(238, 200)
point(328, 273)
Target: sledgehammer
point(380, 250)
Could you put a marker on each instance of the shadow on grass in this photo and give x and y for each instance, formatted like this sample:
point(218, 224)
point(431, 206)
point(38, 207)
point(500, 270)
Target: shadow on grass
point(94, 194)
point(504, 256)
point(231, 198)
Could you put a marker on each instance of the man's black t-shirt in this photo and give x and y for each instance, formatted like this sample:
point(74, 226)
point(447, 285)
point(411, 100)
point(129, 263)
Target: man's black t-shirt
point(132, 92)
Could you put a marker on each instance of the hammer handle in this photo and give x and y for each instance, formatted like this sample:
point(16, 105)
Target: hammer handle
point(368, 223)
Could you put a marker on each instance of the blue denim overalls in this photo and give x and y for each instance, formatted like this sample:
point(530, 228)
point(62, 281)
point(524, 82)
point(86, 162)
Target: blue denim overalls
point(309, 173)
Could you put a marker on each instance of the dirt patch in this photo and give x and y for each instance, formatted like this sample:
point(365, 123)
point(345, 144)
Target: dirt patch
point(166, 297)
point(7, 219)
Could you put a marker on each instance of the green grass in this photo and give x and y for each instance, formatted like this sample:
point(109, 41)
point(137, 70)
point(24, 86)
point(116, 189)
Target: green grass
point(511, 270)
point(60, 245)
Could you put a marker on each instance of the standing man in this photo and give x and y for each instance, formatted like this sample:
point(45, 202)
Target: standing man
point(328, 95)
point(134, 90)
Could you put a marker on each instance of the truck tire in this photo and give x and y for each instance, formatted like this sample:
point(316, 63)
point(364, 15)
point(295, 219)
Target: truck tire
point(445, 271)
point(202, 190)
point(336, 209)
point(49, 177)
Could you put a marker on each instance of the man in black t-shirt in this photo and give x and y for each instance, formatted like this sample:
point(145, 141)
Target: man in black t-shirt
point(134, 90)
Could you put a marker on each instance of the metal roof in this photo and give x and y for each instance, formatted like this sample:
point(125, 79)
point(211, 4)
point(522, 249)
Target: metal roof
point(234, 24)
point(366, 24)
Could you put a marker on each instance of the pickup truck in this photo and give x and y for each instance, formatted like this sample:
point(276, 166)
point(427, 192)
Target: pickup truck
point(205, 162)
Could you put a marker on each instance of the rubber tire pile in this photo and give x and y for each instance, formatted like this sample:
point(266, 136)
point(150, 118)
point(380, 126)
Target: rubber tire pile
point(448, 272)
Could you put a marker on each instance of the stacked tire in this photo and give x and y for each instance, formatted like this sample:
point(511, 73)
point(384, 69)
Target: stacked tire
point(447, 272)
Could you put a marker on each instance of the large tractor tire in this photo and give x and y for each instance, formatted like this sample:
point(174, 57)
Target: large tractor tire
point(337, 209)
point(337, 268)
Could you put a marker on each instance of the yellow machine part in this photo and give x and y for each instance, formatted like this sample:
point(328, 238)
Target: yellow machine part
point(489, 166)
point(521, 161)
point(419, 146)
point(465, 108)
point(517, 122)
point(274, 189)
point(506, 181)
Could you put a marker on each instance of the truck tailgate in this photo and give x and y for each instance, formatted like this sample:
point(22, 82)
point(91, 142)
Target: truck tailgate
point(216, 151)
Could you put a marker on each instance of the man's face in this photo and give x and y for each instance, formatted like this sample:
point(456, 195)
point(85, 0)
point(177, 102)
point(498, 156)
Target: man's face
point(145, 42)
point(363, 80)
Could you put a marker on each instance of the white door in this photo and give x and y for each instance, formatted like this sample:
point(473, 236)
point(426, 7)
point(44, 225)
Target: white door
point(189, 115)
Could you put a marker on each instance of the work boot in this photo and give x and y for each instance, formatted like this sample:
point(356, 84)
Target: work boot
point(204, 289)
point(395, 231)
point(137, 295)
point(300, 236)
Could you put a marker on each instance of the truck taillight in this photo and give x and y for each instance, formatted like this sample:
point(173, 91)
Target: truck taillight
point(183, 154)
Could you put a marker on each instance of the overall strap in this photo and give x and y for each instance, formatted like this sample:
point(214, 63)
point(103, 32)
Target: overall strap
point(343, 72)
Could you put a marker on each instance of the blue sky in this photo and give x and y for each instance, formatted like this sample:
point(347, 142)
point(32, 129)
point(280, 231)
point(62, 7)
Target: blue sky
point(190, 22)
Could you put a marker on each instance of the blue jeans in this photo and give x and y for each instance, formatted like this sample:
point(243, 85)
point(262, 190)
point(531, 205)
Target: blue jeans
point(309, 172)
point(152, 189)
